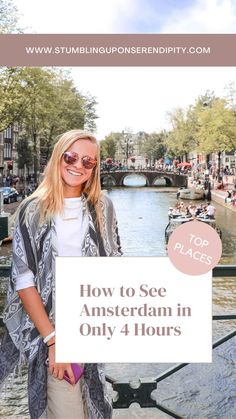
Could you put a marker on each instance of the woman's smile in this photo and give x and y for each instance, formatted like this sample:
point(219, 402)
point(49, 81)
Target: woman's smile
point(75, 175)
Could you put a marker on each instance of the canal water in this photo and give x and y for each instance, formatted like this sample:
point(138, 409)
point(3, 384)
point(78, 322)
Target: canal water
point(198, 390)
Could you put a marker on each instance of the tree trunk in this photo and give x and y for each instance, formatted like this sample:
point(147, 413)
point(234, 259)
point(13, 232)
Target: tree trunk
point(219, 158)
point(35, 158)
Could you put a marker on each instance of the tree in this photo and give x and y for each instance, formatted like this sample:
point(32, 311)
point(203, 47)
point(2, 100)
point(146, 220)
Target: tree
point(39, 87)
point(153, 145)
point(217, 129)
point(14, 95)
point(54, 106)
point(90, 112)
point(8, 17)
point(230, 95)
point(45, 103)
point(25, 153)
point(205, 100)
point(181, 138)
point(108, 146)
point(64, 111)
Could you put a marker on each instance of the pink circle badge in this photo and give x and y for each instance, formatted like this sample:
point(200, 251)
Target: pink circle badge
point(194, 248)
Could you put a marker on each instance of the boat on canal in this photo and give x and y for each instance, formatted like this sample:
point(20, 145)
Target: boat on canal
point(177, 219)
point(191, 193)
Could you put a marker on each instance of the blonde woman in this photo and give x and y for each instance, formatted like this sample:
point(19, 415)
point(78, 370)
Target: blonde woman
point(67, 216)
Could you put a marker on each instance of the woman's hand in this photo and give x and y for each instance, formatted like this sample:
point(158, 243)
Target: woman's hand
point(57, 369)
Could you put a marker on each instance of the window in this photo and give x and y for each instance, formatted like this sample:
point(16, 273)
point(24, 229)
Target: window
point(7, 151)
point(8, 133)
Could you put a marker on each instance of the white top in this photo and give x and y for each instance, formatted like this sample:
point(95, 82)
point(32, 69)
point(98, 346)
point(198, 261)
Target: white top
point(210, 210)
point(69, 228)
point(69, 232)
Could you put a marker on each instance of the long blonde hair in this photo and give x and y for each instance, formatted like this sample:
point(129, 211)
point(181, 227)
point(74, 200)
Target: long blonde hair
point(49, 193)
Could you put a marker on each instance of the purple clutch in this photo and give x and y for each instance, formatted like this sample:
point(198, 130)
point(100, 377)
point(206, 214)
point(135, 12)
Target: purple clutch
point(77, 371)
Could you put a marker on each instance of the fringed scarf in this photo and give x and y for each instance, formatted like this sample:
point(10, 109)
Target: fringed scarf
point(34, 247)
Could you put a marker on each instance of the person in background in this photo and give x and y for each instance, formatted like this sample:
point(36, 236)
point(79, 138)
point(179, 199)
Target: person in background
point(228, 197)
point(67, 215)
point(210, 211)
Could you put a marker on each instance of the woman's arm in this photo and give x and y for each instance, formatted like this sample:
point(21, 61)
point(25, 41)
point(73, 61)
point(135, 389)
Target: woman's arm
point(112, 229)
point(33, 305)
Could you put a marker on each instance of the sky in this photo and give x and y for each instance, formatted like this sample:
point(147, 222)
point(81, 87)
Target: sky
point(136, 98)
point(128, 16)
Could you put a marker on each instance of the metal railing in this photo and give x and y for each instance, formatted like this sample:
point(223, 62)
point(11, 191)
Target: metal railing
point(139, 391)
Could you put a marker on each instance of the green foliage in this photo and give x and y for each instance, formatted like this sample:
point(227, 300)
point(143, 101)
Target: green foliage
point(216, 128)
point(208, 126)
point(45, 103)
point(24, 151)
point(108, 146)
point(205, 100)
point(153, 145)
point(90, 113)
point(44, 99)
point(13, 96)
point(181, 138)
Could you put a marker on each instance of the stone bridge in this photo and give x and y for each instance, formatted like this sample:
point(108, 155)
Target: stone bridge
point(117, 177)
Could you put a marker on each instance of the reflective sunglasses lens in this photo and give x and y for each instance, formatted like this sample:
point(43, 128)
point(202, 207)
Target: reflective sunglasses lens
point(88, 162)
point(70, 157)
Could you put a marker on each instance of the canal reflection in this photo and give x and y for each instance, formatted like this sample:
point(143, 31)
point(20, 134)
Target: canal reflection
point(142, 218)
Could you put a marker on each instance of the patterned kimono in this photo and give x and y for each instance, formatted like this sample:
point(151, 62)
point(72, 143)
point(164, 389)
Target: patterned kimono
point(34, 248)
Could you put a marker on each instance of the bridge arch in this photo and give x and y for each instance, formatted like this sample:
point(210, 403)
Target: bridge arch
point(168, 180)
point(108, 180)
point(112, 178)
point(134, 175)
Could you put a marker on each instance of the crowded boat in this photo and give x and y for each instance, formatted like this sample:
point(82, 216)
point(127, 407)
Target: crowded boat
point(183, 213)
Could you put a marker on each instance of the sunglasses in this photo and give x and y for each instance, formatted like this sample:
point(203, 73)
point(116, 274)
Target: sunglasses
point(71, 157)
